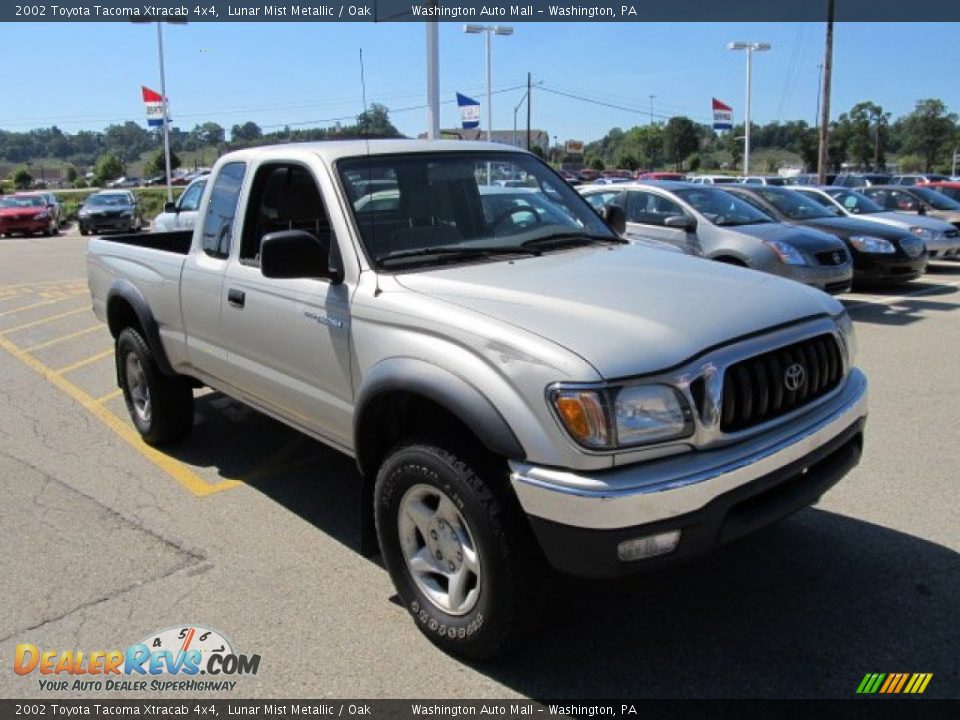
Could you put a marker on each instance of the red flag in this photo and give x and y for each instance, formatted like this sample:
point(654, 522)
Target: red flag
point(151, 96)
point(717, 105)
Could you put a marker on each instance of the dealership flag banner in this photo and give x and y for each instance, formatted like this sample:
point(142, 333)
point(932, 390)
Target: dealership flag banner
point(154, 103)
point(722, 116)
point(469, 111)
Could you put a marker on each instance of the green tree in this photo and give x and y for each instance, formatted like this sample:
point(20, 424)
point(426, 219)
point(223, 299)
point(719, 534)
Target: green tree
point(680, 139)
point(108, 167)
point(248, 132)
point(22, 178)
point(157, 165)
point(628, 162)
point(597, 164)
point(71, 173)
point(375, 122)
point(928, 131)
point(209, 133)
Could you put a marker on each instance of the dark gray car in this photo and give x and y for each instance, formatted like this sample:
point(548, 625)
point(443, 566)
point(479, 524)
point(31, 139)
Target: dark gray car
point(705, 221)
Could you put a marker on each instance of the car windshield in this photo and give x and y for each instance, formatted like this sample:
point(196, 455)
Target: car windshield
point(854, 202)
point(937, 201)
point(113, 200)
point(430, 208)
point(721, 208)
point(22, 202)
point(796, 205)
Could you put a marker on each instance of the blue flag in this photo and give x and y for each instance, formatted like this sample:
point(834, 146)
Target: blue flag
point(469, 111)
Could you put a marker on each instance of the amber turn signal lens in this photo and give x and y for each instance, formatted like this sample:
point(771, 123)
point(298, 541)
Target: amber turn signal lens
point(574, 417)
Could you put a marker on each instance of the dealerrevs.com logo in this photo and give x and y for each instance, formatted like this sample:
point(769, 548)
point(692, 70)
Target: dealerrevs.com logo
point(186, 658)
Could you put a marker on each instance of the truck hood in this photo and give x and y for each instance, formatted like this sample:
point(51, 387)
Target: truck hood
point(803, 238)
point(626, 310)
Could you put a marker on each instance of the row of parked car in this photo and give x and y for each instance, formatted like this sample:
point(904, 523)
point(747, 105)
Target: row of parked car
point(830, 237)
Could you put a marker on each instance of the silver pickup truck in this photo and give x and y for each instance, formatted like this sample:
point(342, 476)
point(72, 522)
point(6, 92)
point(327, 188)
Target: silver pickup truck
point(519, 386)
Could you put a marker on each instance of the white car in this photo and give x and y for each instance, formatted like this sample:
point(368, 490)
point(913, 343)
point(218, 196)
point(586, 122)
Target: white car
point(182, 214)
point(714, 179)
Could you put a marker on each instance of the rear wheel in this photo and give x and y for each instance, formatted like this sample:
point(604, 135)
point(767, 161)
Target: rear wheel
point(160, 406)
point(458, 554)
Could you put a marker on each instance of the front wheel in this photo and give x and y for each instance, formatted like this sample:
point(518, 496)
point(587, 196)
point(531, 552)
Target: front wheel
point(160, 406)
point(457, 555)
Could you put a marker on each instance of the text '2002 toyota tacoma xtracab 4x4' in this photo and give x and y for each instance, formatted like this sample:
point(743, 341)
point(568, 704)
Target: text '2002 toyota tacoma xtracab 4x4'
point(516, 383)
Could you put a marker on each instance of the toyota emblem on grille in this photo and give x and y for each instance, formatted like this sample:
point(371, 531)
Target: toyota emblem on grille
point(794, 377)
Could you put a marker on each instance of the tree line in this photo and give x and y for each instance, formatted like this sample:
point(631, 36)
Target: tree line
point(864, 137)
point(110, 150)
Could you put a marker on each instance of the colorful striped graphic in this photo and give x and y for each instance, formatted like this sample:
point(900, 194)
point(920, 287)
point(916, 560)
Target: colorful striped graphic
point(894, 683)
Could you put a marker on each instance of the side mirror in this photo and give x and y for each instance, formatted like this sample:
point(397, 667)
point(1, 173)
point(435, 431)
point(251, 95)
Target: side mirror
point(170, 207)
point(681, 222)
point(616, 218)
point(290, 254)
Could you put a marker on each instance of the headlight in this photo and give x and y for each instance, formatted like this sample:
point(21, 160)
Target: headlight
point(924, 233)
point(845, 326)
point(867, 244)
point(785, 252)
point(127, 213)
point(83, 212)
point(41, 215)
point(622, 417)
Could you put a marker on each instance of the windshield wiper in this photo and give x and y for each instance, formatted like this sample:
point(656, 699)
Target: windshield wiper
point(571, 238)
point(458, 252)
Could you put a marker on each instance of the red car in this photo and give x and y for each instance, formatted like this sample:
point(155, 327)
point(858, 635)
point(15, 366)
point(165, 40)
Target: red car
point(950, 189)
point(662, 176)
point(26, 214)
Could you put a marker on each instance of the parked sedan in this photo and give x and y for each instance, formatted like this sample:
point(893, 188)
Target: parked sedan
point(915, 199)
point(914, 179)
point(182, 214)
point(941, 238)
point(704, 221)
point(880, 253)
point(110, 210)
point(951, 189)
point(27, 214)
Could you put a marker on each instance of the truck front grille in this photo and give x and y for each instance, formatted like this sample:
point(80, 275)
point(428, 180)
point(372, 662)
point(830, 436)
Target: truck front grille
point(769, 385)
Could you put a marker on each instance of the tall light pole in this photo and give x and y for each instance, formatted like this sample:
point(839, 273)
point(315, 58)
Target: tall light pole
point(490, 31)
point(433, 82)
point(750, 47)
point(163, 94)
point(823, 152)
point(651, 108)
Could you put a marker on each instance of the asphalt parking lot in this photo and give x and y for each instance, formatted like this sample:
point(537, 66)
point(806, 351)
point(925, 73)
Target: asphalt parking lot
point(252, 529)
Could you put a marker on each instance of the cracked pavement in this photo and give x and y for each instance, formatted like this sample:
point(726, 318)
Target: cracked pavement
point(102, 547)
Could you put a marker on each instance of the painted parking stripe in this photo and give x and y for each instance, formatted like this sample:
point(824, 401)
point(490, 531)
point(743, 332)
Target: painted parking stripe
point(45, 320)
point(24, 308)
point(86, 361)
point(865, 300)
point(64, 338)
point(174, 468)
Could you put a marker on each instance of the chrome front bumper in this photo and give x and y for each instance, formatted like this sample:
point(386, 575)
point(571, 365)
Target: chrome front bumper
point(658, 490)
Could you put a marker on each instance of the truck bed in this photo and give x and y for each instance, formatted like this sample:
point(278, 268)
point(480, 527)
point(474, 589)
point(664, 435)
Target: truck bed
point(177, 241)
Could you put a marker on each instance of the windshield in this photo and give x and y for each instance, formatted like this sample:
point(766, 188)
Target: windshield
point(426, 208)
point(854, 202)
point(721, 208)
point(936, 200)
point(108, 200)
point(795, 205)
point(22, 202)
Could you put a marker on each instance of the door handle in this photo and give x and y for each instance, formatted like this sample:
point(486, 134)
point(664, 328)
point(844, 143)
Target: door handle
point(236, 297)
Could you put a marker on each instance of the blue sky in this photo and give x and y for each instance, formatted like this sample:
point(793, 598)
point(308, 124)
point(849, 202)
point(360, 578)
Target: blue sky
point(86, 76)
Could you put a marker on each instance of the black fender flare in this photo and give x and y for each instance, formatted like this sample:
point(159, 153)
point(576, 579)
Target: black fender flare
point(127, 291)
point(450, 391)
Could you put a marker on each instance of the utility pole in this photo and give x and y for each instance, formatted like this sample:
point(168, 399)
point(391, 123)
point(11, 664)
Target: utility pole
point(166, 113)
point(651, 108)
point(825, 109)
point(433, 82)
point(529, 100)
point(816, 119)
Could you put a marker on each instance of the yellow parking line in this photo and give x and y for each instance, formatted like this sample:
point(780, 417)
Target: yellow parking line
point(44, 320)
point(108, 397)
point(71, 281)
point(63, 338)
point(86, 361)
point(175, 469)
point(27, 307)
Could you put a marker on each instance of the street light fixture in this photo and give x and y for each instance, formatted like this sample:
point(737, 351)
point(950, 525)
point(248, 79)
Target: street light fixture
point(750, 47)
point(163, 94)
point(490, 31)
